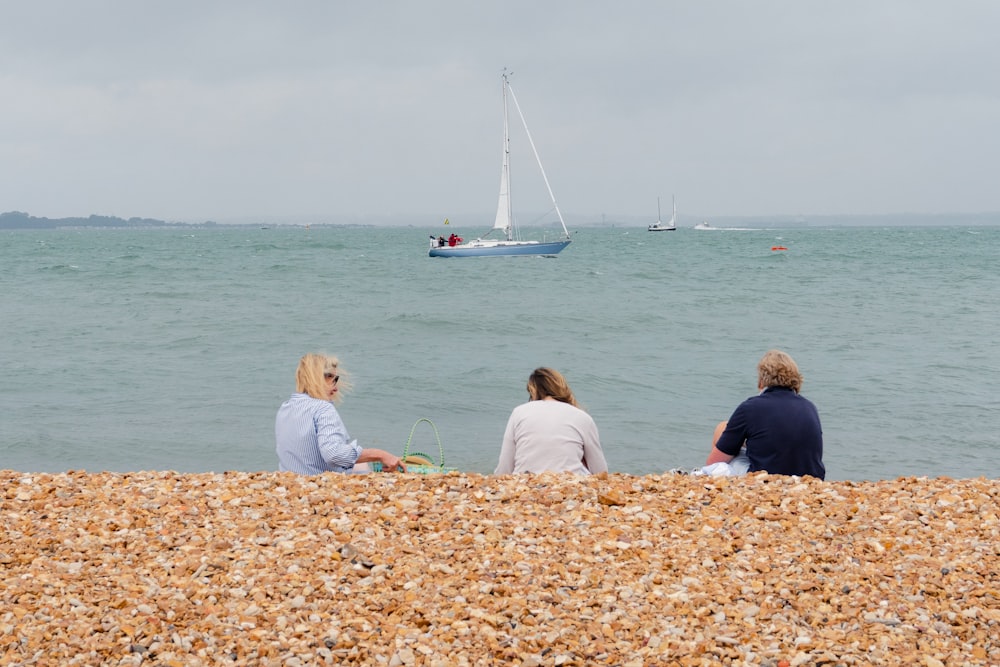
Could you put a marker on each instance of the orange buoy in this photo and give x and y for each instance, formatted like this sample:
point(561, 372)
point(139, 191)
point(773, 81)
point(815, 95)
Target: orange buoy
point(778, 247)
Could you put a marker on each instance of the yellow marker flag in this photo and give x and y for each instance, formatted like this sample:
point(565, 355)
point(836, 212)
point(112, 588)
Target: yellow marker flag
point(446, 221)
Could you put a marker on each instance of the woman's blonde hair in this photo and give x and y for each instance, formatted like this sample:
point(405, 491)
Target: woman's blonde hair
point(549, 383)
point(778, 369)
point(309, 376)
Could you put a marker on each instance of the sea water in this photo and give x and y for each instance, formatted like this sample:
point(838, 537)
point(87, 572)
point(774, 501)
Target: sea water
point(172, 348)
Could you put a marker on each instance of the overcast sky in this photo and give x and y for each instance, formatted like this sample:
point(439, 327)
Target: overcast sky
point(221, 110)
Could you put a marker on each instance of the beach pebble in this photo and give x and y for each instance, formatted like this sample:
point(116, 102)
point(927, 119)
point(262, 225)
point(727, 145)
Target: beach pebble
point(464, 569)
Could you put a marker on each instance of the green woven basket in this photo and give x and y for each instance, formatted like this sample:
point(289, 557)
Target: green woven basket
point(419, 462)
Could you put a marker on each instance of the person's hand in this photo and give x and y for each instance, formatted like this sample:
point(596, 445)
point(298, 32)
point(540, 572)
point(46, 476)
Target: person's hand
point(392, 463)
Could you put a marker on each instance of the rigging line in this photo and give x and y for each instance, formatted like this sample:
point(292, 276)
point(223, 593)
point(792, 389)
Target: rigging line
point(531, 141)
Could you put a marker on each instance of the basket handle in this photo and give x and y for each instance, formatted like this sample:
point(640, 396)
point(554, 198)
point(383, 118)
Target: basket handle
point(406, 449)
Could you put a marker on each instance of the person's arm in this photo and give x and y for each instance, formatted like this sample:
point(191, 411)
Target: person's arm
point(715, 456)
point(334, 442)
point(390, 462)
point(337, 448)
point(506, 464)
point(593, 455)
point(729, 436)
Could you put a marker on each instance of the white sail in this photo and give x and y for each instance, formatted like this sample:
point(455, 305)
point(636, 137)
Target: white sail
point(503, 220)
point(503, 206)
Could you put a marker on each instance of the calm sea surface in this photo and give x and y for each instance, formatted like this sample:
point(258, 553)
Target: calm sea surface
point(171, 349)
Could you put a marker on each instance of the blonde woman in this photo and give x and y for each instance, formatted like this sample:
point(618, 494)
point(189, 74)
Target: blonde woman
point(310, 436)
point(550, 432)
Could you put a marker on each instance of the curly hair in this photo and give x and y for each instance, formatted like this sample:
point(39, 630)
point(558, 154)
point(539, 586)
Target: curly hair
point(778, 369)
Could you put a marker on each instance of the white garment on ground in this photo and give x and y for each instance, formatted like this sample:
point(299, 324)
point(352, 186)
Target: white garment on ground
point(738, 466)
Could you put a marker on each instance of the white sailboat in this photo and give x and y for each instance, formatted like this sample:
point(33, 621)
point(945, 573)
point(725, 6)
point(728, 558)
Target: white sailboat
point(659, 226)
point(510, 242)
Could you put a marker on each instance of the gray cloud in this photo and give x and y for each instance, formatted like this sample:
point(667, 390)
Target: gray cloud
point(196, 111)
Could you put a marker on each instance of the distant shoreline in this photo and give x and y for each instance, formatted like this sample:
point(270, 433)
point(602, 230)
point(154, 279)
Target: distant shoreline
point(21, 220)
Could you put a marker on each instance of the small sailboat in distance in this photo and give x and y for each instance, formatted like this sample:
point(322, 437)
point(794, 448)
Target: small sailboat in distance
point(658, 226)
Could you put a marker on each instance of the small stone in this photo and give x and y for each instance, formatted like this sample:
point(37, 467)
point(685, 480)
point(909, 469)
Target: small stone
point(463, 569)
point(612, 497)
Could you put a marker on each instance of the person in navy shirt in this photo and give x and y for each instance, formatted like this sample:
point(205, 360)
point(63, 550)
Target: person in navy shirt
point(779, 427)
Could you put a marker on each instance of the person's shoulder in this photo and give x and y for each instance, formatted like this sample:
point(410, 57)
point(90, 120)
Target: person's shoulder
point(806, 401)
point(561, 405)
point(792, 397)
point(315, 405)
point(294, 399)
point(547, 407)
point(573, 411)
point(524, 407)
point(758, 401)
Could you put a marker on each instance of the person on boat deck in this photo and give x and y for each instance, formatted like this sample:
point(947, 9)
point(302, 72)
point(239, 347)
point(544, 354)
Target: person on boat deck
point(550, 433)
point(453, 240)
point(441, 241)
point(777, 430)
point(310, 436)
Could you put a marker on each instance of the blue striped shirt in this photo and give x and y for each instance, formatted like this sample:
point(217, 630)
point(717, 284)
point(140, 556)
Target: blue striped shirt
point(311, 437)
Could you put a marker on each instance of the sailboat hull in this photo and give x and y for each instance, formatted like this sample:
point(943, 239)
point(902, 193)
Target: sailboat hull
point(499, 248)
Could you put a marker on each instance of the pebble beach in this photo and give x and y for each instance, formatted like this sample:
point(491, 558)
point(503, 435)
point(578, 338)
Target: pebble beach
point(270, 568)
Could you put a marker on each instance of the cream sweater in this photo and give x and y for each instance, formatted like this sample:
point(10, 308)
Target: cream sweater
point(553, 436)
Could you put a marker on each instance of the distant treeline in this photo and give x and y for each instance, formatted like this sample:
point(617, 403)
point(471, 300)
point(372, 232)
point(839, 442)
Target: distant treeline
point(20, 220)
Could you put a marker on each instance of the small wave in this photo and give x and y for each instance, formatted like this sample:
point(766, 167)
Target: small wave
point(60, 268)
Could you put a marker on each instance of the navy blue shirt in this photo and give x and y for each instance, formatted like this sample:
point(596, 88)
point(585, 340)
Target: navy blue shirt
point(782, 433)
